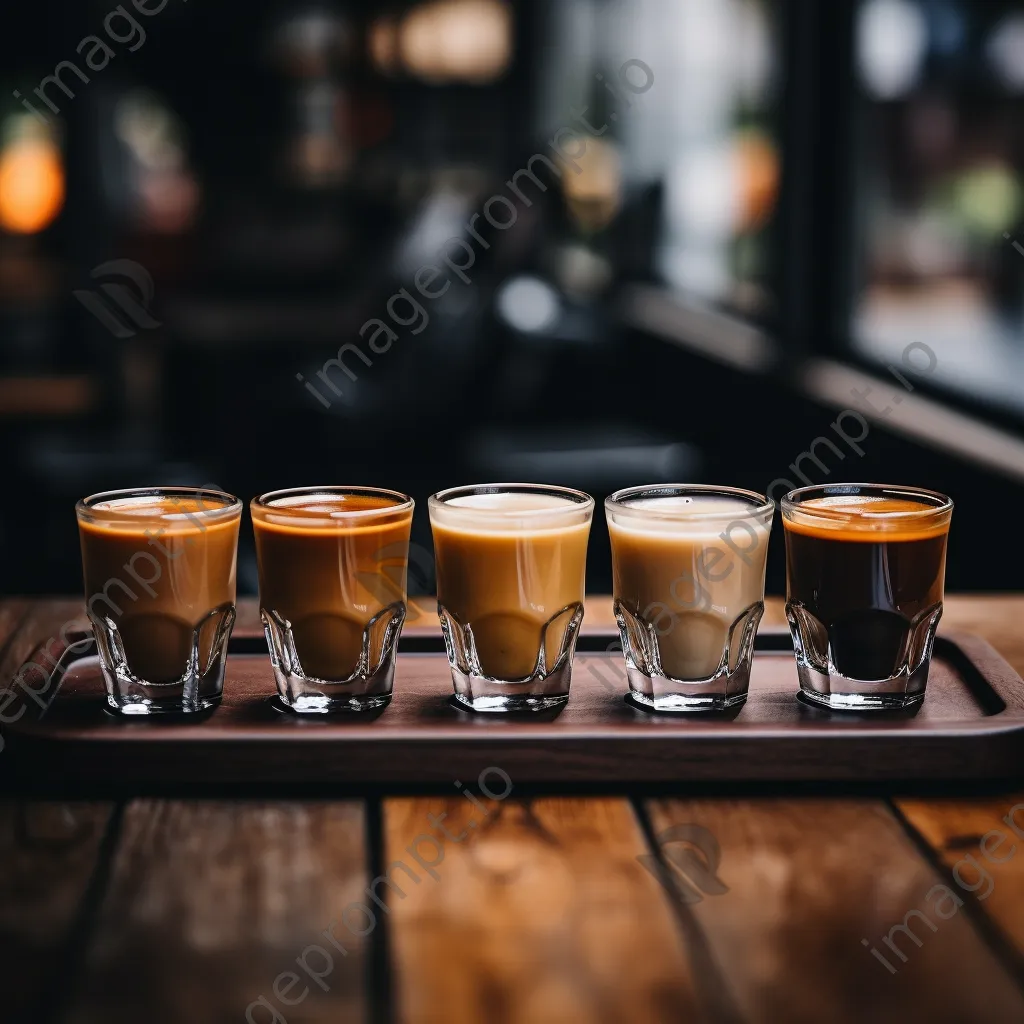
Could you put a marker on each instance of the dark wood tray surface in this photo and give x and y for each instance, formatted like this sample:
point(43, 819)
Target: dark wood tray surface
point(970, 726)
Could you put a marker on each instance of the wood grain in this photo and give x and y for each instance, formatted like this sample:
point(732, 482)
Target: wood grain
point(995, 617)
point(48, 857)
point(807, 881)
point(540, 914)
point(208, 903)
point(998, 618)
point(31, 624)
point(26, 623)
point(982, 839)
point(35, 622)
point(955, 827)
point(48, 853)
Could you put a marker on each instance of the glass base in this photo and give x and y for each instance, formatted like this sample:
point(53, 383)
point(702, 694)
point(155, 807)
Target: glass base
point(837, 692)
point(823, 684)
point(651, 689)
point(506, 703)
point(680, 703)
point(366, 689)
point(543, 689)
point(477, 692)
point(317, 704)
point(859, 701)
point(138, 708)
point(198, 689)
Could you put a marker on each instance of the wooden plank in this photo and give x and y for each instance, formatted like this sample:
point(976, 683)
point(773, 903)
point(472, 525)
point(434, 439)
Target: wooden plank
point(806, 882)
point(213, 907)
point(37, 621)
point(981, 840)
point(997, 618)
point(49, 851)
point(536, 911)
point(48, 856)
point(12, 612)
point(30, 622)
point(955, 828)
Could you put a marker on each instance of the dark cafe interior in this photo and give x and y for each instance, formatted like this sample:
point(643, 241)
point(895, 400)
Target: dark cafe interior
point(588, 243)
point(781, 221)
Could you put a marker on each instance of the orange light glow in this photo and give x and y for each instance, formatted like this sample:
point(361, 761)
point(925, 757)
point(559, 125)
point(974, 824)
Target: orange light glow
point(457, 40)
point(31, 185)
point(760, 175)
point(594, 192)
point(383, 42)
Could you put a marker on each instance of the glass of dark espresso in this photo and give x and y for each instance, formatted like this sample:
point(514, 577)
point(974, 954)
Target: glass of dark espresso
point(159, 566)
point(865, 570)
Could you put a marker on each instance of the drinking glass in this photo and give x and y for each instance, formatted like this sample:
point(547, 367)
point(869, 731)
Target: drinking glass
point(159, 566)
point(688, 567)
point(511, 568)
point(333, 566)
point(865, 570)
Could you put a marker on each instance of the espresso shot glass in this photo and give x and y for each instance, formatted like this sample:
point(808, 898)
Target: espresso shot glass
point(333, 566)
point(511, 570)
point(865, 567)
point(159, 565)
point(688, 568)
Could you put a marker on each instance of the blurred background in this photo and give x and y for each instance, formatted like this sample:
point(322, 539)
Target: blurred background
point(592, 242)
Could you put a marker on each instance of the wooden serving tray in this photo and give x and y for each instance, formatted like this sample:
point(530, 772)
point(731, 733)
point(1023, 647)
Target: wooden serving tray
point(970, 726)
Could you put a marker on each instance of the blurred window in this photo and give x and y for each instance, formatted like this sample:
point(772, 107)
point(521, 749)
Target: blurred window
point(940, 211)
point(703, 134)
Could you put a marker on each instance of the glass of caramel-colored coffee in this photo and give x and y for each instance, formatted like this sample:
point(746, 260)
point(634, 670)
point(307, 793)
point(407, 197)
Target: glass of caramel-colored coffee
point(688, 566)
point(159, 566)
point(866, 566)
point(511, 565)
point(333, 564)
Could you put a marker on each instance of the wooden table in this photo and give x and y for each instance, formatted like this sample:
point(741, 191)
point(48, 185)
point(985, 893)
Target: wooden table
point(539, 907)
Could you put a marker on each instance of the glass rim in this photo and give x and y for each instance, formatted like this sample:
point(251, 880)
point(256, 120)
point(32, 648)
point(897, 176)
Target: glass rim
point(937, 502)
point(85, 508)
point(265, 501)
point(759, 504)
point(580, 500)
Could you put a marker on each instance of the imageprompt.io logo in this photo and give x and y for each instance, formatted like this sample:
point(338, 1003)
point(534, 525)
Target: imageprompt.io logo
point(122, 310)
point(691, 854)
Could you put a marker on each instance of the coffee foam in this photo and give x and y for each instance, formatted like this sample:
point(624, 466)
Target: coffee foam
point(515, 512)
point(866, 504)
point(142, 513)
point(336, 505)
point(863, 517)
point(150, 506)
point(692, 504)
point(698, 516)
point(511, 501)
point(331, 513)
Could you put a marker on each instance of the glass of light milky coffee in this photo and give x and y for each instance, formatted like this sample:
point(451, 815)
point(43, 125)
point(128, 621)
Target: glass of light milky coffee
point(333, 567)
point(159, 566)
point(688, 565)
point(865, 567)
point(511, 567)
